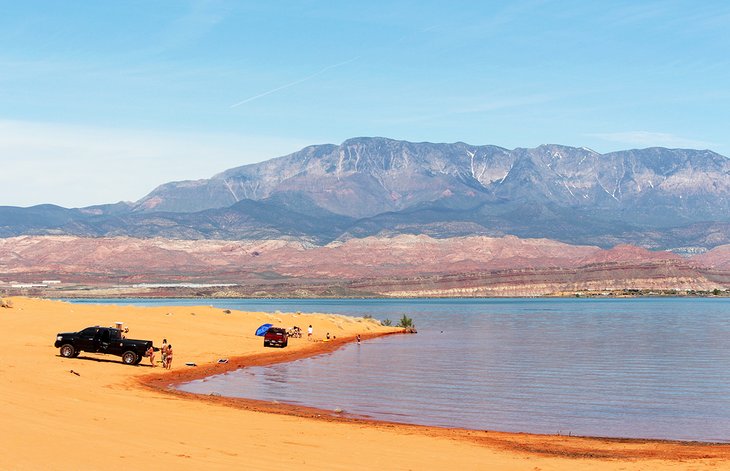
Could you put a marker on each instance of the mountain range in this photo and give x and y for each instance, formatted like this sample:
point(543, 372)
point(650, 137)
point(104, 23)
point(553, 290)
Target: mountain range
point(656, 198)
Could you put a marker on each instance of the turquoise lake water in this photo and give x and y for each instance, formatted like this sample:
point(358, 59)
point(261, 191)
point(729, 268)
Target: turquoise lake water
point(645, 368)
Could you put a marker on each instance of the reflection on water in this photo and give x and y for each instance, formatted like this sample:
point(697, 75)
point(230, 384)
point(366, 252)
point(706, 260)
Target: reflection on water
point(652, 368)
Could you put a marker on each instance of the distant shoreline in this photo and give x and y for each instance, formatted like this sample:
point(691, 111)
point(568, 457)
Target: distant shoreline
point(105, 294)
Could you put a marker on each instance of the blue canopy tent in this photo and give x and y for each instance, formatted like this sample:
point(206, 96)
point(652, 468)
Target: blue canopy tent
point(261, 331)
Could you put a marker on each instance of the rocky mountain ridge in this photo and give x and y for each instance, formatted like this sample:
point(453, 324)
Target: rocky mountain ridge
point(655, 198)
point(397, 175)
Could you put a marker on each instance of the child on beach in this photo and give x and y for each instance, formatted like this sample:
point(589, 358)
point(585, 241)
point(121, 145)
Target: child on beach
point(309, 332)
point(151, 354)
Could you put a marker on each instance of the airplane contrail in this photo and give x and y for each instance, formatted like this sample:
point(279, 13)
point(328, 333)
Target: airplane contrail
point(296, 82)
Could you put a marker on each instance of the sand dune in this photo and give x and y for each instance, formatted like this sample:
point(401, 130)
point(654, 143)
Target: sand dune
point(112, 416)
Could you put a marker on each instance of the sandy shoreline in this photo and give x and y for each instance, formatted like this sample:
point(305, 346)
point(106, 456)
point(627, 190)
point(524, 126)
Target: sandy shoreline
point(113, 416)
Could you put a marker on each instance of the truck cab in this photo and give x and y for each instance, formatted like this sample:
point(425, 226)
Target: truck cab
point(276, 337)
point(98, 339)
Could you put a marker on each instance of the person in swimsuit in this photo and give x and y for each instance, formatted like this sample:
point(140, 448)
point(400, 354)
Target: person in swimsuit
point(151, 354)
point(169, 357)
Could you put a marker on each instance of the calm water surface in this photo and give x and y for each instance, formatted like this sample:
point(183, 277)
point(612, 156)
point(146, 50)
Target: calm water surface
point(650, 368)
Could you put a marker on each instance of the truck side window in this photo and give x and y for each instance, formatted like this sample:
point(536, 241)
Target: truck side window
point(115, 334)
point(89, 331)
point(105, 336)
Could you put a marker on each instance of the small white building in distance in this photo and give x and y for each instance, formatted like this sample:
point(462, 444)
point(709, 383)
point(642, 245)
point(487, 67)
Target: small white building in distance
point(51, 282)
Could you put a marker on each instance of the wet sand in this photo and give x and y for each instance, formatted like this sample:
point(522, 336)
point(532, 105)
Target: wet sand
point(114, 416)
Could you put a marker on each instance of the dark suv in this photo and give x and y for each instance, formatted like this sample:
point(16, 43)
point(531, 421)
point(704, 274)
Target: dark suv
point(276, 337)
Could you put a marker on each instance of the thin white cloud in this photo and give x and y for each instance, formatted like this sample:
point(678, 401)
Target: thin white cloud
point(76, 166)
point(474, 105)
point(652, 139)
point(291, 84)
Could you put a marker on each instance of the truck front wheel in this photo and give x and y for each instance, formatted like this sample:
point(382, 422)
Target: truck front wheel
point(68, 351)
point(129, 358)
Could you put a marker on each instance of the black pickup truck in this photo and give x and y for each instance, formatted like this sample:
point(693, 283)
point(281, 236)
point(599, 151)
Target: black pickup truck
point(102, 340)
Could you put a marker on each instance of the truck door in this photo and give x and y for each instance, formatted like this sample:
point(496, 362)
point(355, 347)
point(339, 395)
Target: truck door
point(112, 345)
point(104, 340)
point(88, 340)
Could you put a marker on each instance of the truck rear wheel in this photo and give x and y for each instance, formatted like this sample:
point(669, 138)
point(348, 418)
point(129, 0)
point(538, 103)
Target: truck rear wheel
point(129, 358)
point(68, 351)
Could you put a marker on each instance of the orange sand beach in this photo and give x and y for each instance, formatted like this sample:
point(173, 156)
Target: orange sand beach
point(112, 416)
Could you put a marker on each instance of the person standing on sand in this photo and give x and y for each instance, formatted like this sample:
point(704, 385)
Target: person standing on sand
point(163, 353)
point(151, 354)
point(169, 357)
point(309, 332)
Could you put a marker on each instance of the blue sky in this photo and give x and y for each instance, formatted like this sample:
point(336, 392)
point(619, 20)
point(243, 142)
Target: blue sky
point(103, 101)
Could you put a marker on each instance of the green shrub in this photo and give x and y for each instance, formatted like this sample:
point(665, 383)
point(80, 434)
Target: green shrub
point(405, 322)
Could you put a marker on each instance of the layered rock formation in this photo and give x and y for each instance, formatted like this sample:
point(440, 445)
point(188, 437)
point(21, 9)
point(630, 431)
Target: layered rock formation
point(398, 266)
